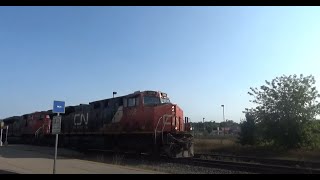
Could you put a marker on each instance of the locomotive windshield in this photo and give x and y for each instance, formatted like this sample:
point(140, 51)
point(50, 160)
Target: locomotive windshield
point(165, 100)
point(147, 100)
point(152, 100)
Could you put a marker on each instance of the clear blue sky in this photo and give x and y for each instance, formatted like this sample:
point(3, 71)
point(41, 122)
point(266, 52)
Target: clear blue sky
point(201, 56)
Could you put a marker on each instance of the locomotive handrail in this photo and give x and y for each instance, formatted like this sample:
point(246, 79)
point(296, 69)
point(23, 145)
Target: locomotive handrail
point(155, 130)
point(37, 132)
point(164, 124)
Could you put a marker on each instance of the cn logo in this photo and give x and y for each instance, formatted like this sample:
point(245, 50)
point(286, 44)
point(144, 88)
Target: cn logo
point(79, 118)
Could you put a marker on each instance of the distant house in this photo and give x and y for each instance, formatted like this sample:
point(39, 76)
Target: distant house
point(235, 130)
point(226, 130)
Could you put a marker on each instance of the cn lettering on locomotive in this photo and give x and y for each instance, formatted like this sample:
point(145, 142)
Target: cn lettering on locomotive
point(81, 118)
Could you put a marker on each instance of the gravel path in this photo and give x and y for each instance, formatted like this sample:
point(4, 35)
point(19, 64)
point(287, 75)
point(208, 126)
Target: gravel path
point(160, 166)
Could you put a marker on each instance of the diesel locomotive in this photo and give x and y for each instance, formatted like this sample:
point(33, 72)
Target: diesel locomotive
point(144, 122)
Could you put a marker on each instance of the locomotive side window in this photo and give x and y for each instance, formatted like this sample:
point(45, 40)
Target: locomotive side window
point(106, 104)
point(121, 102)
point(26, 118)
point(125, 102)
point(131, 102)
point(36, 116)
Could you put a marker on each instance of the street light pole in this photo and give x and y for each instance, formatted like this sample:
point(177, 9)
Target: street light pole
point(6, 142)
point(204, 129)
point(224, 129)
point(113, 109)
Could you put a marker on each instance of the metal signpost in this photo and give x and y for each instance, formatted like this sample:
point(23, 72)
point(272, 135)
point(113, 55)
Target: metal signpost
point(6, 142)
point(58, 107)
point(1, 126)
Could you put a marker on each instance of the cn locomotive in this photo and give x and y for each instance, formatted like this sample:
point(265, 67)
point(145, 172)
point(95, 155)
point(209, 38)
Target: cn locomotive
point(144, 121)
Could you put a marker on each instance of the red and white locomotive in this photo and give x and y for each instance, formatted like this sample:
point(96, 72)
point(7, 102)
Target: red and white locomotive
point(144, 121)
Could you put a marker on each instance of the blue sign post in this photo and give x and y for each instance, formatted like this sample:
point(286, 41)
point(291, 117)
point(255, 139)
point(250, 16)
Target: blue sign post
point(58, 107)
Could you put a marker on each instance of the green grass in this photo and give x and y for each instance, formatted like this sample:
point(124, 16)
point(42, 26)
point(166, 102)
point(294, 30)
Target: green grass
point(209, 145)
point(229, 145)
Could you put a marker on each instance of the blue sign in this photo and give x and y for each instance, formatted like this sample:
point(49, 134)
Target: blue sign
point(58, 106)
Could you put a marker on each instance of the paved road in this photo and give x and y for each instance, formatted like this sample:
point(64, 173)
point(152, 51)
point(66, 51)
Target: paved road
point(39, 160)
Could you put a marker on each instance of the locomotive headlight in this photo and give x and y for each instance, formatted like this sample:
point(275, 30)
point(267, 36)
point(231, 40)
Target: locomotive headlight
point(191, 129)
point(172, 108)
point(176, 128)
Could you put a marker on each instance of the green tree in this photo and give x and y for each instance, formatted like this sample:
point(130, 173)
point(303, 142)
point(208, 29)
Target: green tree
point(286, 109)
point(210, 126)
point(247, 134)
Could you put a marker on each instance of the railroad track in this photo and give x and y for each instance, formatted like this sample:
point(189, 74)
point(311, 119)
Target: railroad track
point(249, 167)
point(269, 161)
point(237, 163)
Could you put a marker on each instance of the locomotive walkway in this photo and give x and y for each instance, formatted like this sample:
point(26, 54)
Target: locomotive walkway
point(24, 159)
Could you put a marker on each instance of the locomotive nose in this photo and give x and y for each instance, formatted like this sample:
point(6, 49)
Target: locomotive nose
point(178, 113)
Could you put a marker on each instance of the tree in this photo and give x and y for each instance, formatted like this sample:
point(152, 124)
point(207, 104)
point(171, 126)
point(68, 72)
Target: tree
point(247, 135)
point(286, 108)
point(210, 126)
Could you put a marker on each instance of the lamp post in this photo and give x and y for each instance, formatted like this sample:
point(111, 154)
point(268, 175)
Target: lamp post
point(223, 120)
point(204, 129)
point(1, 130)
point(113, 109)
point(6, 142)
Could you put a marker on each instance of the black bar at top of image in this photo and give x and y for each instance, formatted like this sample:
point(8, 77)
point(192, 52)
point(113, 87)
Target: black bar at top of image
point(158, 2)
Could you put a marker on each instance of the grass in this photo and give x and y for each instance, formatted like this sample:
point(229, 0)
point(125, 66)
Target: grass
point(209, 145)
point(229, 145)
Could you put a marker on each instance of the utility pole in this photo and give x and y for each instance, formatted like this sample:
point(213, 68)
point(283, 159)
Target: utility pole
point(224, 129)
point(203, 125)
point(114, 104)
point(6, 142)
point(1, 130)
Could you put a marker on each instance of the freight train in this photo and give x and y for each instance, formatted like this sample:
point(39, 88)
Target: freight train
point(144, 122)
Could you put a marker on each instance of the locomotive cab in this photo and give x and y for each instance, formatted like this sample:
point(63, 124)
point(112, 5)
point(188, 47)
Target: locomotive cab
point(165, 115)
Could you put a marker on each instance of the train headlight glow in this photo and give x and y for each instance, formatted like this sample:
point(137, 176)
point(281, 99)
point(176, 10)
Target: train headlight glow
point(191, 129)
point(176, 128)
